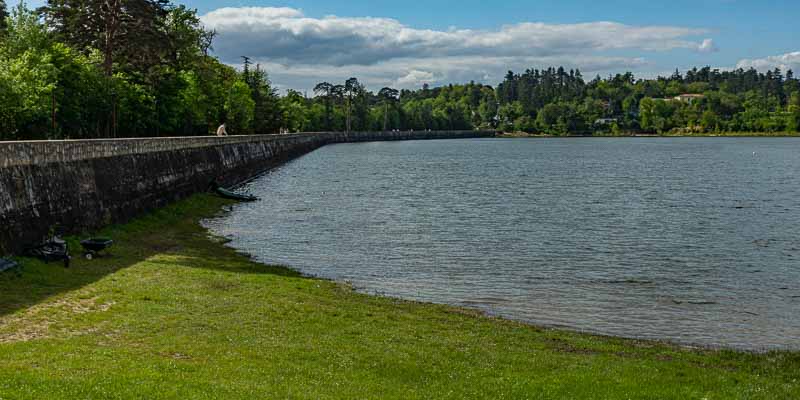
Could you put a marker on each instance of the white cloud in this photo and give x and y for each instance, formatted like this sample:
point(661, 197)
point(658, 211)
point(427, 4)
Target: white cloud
point(416, 78)
point(707, 46)
point(384, 51)
point(784, 61)
point(252, 15)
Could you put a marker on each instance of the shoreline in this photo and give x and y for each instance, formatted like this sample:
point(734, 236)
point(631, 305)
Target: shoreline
point(180, 302)
point(520, 135)
point(488, 314)
point(484, 313)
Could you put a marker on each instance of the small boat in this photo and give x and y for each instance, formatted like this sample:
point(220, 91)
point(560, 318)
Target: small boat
point(92, 247)
point(225, 193)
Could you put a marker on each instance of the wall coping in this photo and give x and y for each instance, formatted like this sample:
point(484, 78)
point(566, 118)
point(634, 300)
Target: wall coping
point(17, 153)
point(55, 151)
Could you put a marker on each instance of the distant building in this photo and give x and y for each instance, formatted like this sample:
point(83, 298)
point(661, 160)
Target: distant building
point(605, 121)
point(688, 98)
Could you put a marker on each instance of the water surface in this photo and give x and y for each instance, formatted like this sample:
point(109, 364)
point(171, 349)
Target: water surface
point(693, 240)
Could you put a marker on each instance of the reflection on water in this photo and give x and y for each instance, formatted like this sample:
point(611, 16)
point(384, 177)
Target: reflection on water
point(685, 239)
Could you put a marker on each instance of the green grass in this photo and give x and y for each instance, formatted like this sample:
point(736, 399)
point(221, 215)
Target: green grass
point(175, 314)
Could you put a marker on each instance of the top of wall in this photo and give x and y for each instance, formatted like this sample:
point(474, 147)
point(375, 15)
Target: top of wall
point(56, 151)
point(61, 151)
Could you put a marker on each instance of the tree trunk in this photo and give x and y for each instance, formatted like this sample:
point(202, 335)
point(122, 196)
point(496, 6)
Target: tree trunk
point(385, 116)
point(349, 101)
point(112, 24)
point(328, 112)
point(110, 33)
point(108, 61)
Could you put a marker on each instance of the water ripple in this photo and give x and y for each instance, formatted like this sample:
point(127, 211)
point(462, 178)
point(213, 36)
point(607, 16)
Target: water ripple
point(689, 240)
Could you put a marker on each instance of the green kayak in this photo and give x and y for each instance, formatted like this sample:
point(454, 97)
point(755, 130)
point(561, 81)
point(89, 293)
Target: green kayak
point(225, 193)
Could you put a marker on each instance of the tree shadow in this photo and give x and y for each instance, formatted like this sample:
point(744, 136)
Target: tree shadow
point(172, 236)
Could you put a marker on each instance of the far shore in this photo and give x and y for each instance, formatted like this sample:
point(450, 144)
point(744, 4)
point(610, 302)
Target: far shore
point(652, 135)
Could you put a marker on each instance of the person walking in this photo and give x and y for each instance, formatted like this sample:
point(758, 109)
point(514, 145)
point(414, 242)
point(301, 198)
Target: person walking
point(222, 130)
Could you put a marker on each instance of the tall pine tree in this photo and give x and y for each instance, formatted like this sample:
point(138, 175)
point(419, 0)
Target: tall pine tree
point(3, 16)
point(127, 32)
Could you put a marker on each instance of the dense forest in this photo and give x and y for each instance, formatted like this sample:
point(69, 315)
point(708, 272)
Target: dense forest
point(114, 68)
point(123, 68)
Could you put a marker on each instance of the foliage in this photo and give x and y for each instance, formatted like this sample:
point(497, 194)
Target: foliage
point(60, 78)
point(239, 108)
point(559, 102)
point(130, 33)
point(3, 16)
point(739, 100)
point(109, 68)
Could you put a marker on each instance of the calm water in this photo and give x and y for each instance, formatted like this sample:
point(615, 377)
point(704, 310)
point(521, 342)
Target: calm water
point(689, 240)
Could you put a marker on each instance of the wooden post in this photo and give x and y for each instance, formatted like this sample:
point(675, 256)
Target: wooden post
point(114, 115)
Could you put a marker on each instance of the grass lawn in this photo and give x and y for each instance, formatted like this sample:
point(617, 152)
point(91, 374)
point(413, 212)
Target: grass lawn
point(175, 314)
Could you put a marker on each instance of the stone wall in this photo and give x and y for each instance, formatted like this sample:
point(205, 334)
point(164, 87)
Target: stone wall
point(86, 184)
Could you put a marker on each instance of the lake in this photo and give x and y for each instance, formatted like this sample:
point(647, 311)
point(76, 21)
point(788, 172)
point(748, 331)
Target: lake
point(690, 240)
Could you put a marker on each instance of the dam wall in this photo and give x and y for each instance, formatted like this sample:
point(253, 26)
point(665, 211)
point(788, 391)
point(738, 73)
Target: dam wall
point(78, 185)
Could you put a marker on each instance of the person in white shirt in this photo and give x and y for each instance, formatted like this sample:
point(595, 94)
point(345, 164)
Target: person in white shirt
point(222, 131)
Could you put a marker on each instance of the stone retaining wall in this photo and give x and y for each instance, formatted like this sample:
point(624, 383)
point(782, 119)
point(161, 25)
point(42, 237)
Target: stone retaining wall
point(86, 184)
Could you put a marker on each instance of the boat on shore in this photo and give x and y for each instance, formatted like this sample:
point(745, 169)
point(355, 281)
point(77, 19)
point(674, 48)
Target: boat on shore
point(228, 194)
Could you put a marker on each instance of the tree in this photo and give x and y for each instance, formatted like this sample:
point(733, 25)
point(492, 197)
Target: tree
point(488, 110)
point(128, 31)
point(709, 121)
point(508, 113)
point(388, 96)
point(267, 112)
point(655, 114)
point(28, 78)
point(559, 119)
point(325, 91)
point(3, 16)
point(188, 40)
point(296, 112)
point(239, 108)
point(352, 88)
point(338, 94)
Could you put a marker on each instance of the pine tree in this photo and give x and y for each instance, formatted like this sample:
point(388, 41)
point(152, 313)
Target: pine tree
point(125, 31)
point(268, 115)
point(325, 91)
point(3, 16)
point(388, 96)
point(352, 88)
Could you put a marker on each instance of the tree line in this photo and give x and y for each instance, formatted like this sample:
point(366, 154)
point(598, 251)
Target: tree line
point(128, 68)
point(122, 68)
point(556, 101)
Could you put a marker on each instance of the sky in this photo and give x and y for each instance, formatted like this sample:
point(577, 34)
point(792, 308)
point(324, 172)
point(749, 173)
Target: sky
point(407, 44)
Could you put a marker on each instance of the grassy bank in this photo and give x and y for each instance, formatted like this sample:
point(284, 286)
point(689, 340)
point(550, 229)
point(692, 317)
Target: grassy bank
point(175, 314)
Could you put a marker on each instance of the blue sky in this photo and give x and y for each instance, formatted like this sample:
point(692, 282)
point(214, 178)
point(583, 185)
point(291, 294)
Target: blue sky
point(406, 44)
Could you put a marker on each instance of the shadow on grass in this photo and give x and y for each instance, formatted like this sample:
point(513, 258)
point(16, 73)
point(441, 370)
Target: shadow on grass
point(173, 234)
